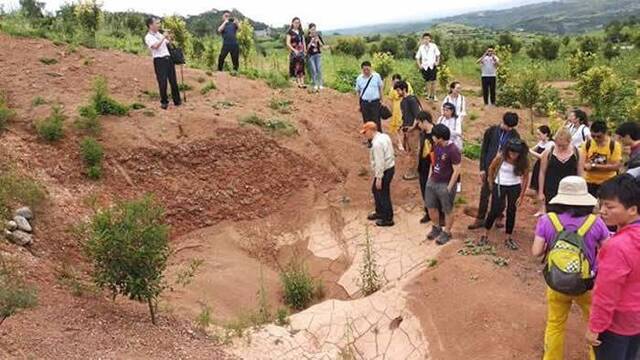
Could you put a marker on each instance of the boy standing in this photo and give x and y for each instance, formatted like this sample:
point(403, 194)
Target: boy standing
point(614, 324)
point(428, 59)
point(440, 192)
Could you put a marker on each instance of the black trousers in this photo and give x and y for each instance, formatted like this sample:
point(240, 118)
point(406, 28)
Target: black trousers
point(489, 89)
point(424, 167)
point(618, 347)
point(166, 72)
point(504, 196)
point(382, 197)
point(227, 49)
point(371, 112)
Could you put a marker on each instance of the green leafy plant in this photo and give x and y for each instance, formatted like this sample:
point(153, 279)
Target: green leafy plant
point(297, 286)
point(37, 101)
point(15, 294)
point(178, 28)
point(245, 39)
point(185, 87)
point(18, 190)
point(204, 319)
point(151, 94)
point(370, 281)
point(612, 97)
point(101, 103)
point(529, 92)
point(51, 129)
point(276, 126)
point(185, 276)
point(471, 150)
point(88, 121)
point(282, 316)
point(277, 80)
point(6, 114)
point(283, 106)
point(383, 63)
point(138, 106)
point(128, 246)
point(92, 155)
point(580, 62)
point(345, 80)
point(89, 15)
point(208, 87)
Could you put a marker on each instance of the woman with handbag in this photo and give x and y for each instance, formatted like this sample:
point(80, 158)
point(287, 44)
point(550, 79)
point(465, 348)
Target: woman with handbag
point(296, 45)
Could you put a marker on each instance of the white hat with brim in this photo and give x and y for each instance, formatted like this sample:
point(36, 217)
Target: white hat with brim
point(573, 192)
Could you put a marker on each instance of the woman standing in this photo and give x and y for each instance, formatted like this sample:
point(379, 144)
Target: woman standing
point(508, 176)
point(455, 97)
point(451, 120)
point(559, 161)
point(396, 112)
point(296, 45)
point(314, 48)
point(545, 141)
point(578, 125)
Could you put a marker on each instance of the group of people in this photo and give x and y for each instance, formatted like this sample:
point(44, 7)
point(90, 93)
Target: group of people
point(588, 229)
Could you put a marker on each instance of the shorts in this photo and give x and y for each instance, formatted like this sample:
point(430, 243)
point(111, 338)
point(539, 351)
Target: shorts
point(430, 74)
point(437, 196)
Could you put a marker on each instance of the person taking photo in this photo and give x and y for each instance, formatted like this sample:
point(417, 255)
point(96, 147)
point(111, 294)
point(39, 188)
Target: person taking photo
point(163, 65)
point(229, 31)
point(489, 64)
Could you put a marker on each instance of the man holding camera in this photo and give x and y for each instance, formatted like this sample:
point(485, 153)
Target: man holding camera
point(489, 63)
point(229, 32)
point(164, 67)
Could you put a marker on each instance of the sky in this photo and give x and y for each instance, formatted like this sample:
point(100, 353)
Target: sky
point(327, 14)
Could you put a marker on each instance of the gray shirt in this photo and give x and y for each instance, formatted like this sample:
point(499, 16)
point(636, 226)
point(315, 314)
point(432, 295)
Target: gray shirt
point(373, 90)
point(488, 66)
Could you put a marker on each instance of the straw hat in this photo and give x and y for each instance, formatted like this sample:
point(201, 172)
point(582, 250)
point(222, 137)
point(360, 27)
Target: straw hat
point(573, 191)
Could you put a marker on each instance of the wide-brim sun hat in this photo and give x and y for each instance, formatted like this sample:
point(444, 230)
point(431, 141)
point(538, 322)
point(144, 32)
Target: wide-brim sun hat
point(573, 192)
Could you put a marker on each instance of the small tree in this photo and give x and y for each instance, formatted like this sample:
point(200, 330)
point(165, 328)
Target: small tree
point(529, 93)
point(461, 48)
point(545, 48)
point(354, 46)
point(503, 75)
point(390, 45)
point(580, 62)
point(89, 14)
point(31, 9)
point(246, 40)
point(15, 295)
point(507, 39)
point(383, 64)
point(612, 97)
point(589, 44)
point(178, 28)
point(610, 51)
point(129, 246)
point(444, 77)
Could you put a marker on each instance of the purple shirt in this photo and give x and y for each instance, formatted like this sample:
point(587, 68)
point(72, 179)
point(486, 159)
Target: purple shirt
point(445, 158)
point(592, 239)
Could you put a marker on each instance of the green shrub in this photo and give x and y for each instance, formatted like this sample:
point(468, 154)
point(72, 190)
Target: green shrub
point(345, 80)
point(37, 101)
point(18, 190)
point(471, 150)
point(151, 94)
point(48, 61)
point(549, 98)
point(383, 64)
point(92, 155)
point(138, 106)
point(297, 286)
point(6, 114)
point(128, 246)
point(277, 80)
point(185, 87)
point(102, 102)
point(353, 46)
point(283, 106)
point(208, 87)
point(15, 294)
point(88, 121)
point(580, 62)
point(276, 126)
point(51, 129)
point(246, 39)
point(612, 97)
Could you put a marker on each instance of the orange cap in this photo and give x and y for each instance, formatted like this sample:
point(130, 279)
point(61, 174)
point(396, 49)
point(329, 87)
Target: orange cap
point(368, 126)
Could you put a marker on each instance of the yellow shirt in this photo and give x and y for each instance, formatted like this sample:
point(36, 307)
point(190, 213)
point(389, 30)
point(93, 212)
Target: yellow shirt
point(601, 155)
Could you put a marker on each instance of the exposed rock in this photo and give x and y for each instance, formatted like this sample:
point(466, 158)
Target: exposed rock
point(25, 212)
point(23, 224)
point(20, 237)
point(11, 225)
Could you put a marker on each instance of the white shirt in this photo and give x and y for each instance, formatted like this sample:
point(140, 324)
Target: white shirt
point(545, 145)
point(506, 176)
point(488, 66)
point(428, 54)
point(579, 134)
point(460, 103)
point(455, 126)
point(152, 39)
point(382, 155)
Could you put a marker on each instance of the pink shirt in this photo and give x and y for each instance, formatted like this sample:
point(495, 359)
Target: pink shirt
point(615, 305)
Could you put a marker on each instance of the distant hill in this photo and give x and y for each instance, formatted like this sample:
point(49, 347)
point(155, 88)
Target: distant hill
point(208, 22)
point(561, 17)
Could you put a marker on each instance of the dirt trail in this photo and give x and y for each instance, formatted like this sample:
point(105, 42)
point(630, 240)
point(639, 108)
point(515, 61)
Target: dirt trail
point(242, 200)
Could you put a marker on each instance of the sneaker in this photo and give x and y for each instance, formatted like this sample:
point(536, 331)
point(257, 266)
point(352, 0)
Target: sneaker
point(476, 225)
point(443, 238)
point(384, 223)
point(435, 232)
point(164, 106)
point(484, 241)
point(373, 216)
point(425, 219)
point(511, 244)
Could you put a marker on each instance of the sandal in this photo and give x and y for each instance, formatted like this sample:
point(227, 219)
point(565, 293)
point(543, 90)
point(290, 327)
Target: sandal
point(511, 244)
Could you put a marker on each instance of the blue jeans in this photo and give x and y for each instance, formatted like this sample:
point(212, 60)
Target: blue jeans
point(315, 65)
point(618, 347)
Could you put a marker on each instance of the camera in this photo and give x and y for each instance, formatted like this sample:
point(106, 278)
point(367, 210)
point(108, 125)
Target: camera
point(231, 19)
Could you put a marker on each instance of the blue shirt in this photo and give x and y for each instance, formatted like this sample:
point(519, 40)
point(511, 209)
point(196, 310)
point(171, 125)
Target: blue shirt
point(229, 34)
point(373, 90)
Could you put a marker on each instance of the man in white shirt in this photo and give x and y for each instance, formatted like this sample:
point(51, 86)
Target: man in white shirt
point(489, 64)
point(428, 59)
point(383, 166)
point(163, 65)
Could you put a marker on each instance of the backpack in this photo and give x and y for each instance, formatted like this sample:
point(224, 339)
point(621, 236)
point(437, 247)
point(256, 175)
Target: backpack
point(567, 270)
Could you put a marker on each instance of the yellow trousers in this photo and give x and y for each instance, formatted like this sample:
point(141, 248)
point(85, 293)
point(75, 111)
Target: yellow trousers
point(558, 308)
